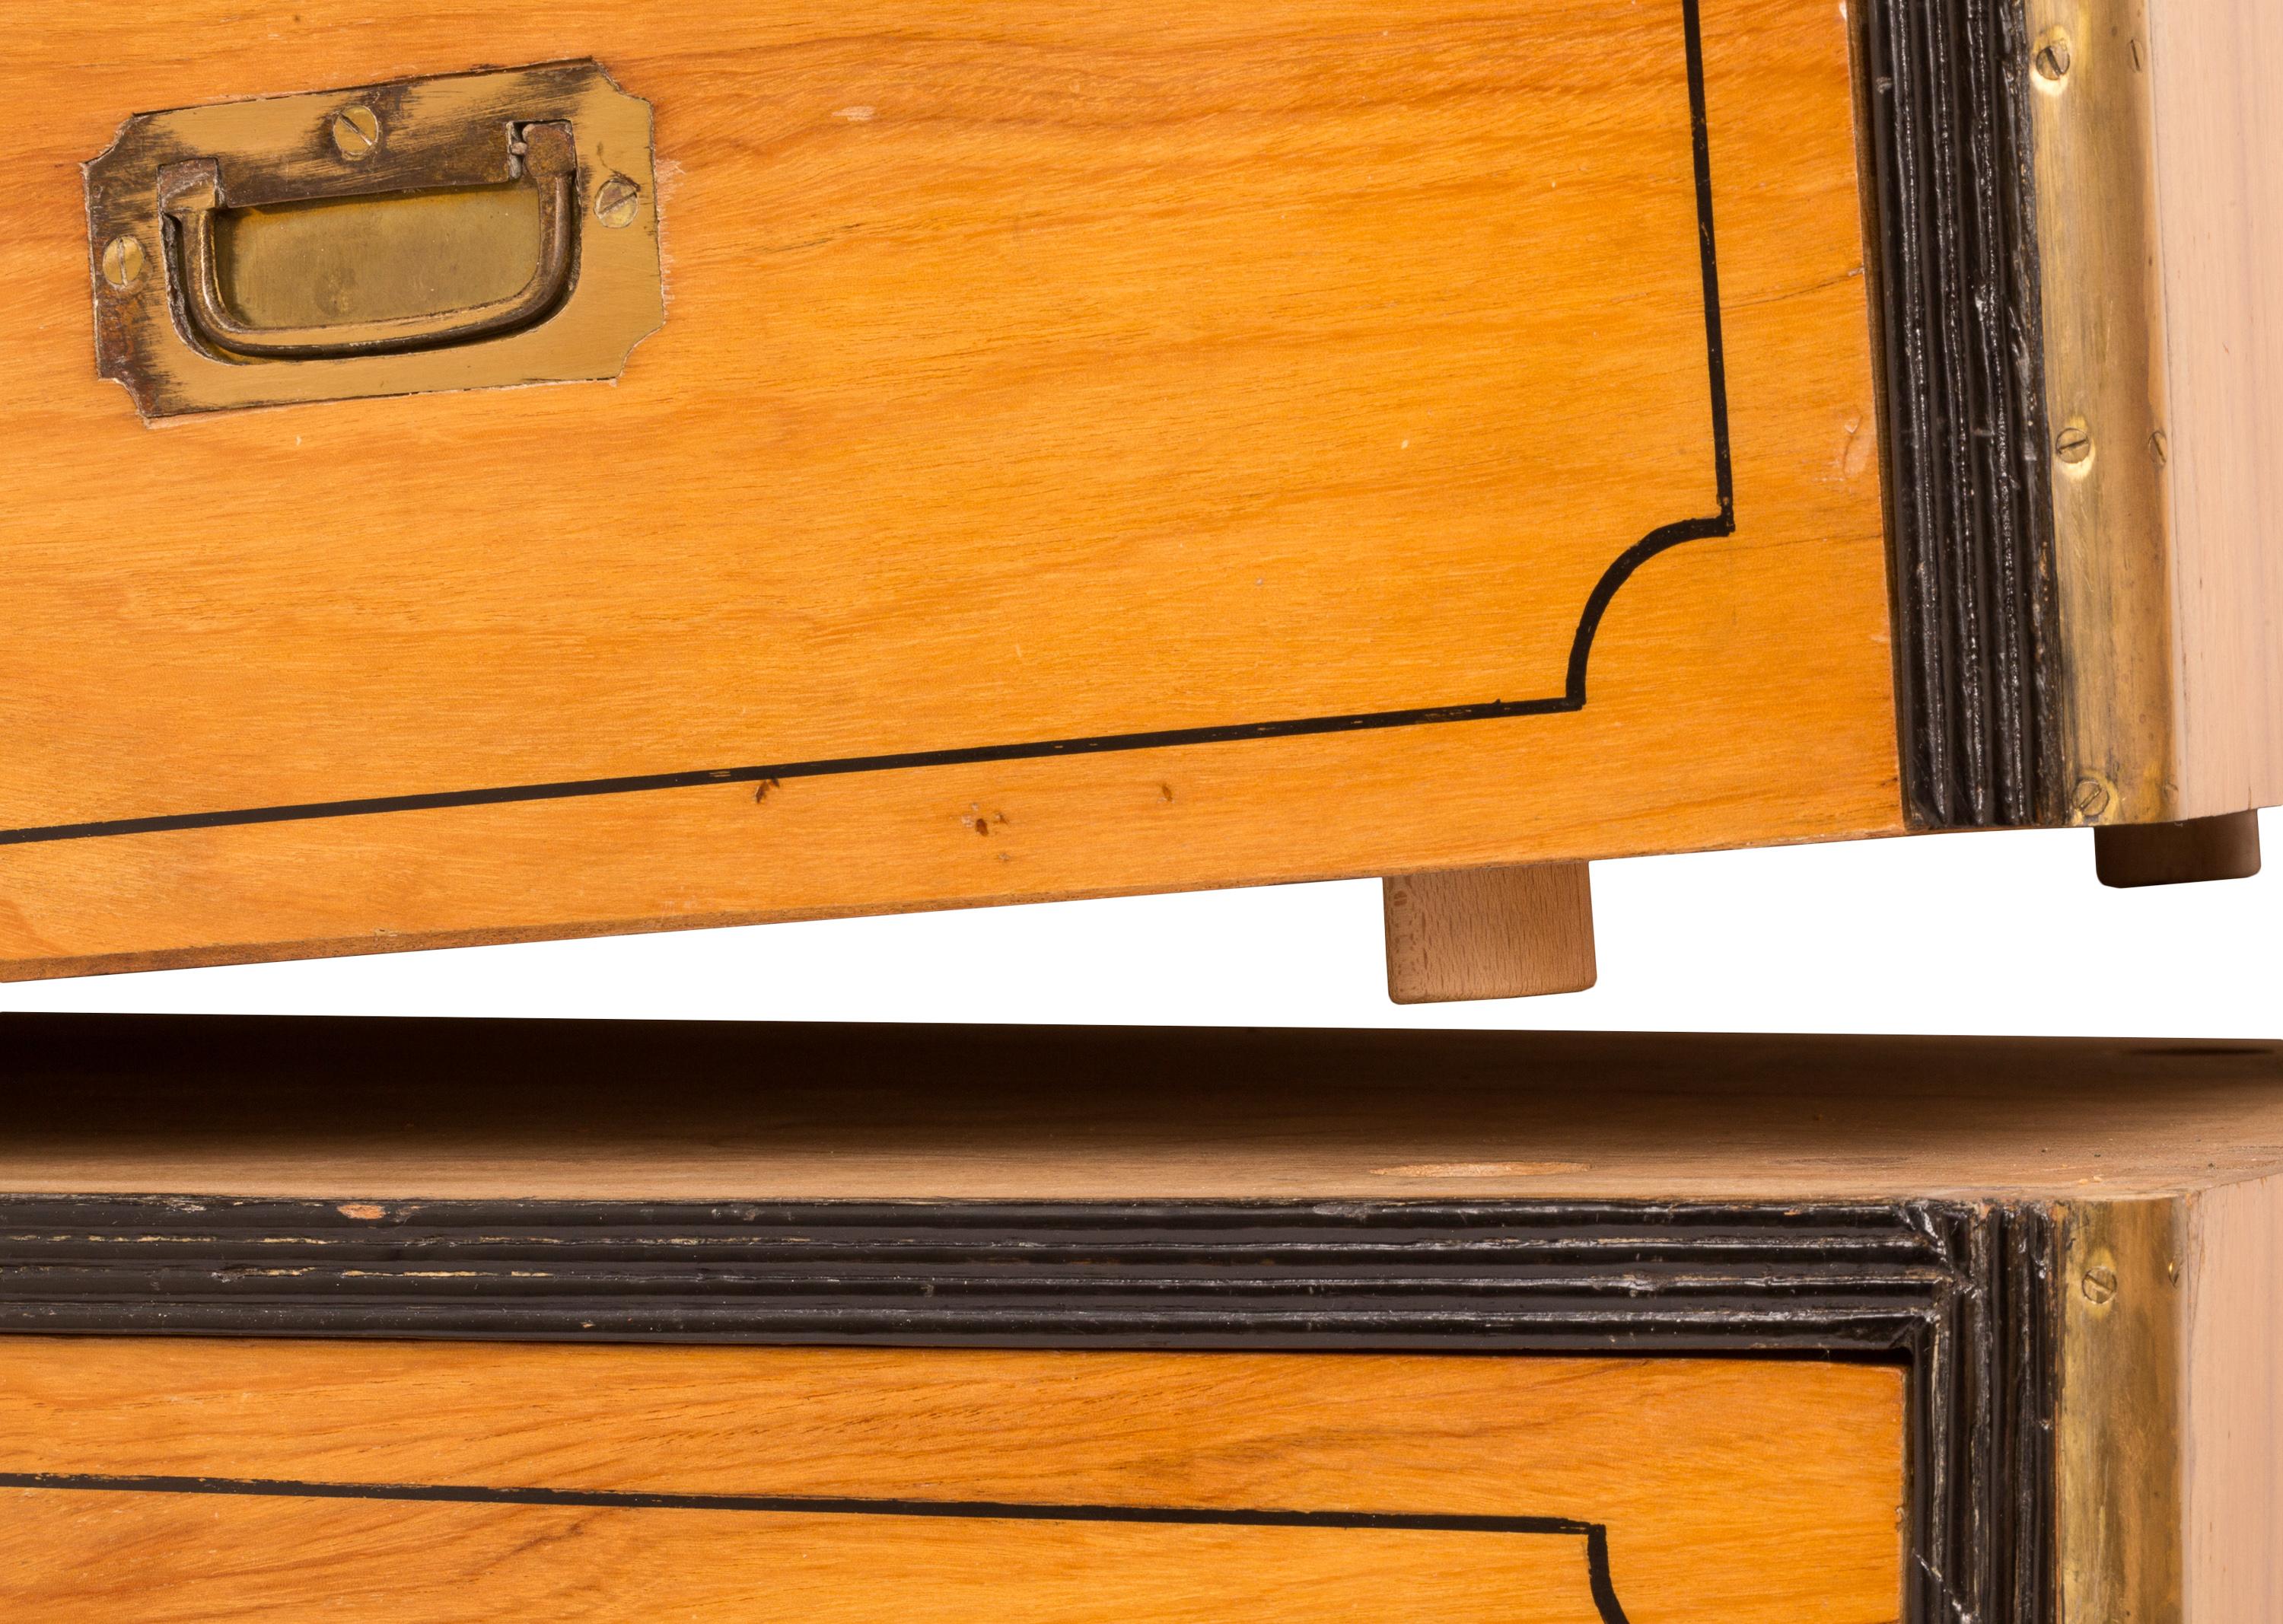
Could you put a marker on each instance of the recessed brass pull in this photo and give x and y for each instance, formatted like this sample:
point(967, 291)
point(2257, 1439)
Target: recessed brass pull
point(189, 194)
point(474, 231)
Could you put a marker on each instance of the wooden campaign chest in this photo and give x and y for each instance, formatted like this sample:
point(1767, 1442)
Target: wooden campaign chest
point(476, 1320)
point(1005, 452)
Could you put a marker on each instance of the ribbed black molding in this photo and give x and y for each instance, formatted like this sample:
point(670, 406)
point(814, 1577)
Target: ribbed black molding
point(1970, 509)
point(1960, 1294)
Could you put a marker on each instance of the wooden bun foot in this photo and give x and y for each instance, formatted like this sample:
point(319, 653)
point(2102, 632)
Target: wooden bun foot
point(2134, 855)
point(1507, 933)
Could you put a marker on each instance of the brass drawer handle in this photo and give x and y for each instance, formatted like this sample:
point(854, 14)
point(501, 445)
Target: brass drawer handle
point(461, 231)
point(190, 195)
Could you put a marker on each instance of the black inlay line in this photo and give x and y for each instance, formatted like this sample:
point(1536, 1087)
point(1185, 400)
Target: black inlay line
point(823, 1505)
point(1594, 1534)
point(1570, 699)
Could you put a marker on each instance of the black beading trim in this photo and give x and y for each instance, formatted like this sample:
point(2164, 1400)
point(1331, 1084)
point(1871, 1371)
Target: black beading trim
point(1970, 501)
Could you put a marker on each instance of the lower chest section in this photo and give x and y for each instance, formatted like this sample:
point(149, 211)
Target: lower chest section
point(249, 1480)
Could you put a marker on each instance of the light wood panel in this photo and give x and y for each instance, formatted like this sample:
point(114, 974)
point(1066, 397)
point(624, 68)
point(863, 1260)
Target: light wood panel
point(1029, 374)
point(2216, 80)
point(2232, 1459)
point(359, 1111)
point(1747, 1490)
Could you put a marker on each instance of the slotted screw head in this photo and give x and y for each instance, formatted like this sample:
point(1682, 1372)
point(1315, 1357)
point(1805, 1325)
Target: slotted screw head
point(2052, 58)
point(356, 131)
point(122, 263)
point(616, 201)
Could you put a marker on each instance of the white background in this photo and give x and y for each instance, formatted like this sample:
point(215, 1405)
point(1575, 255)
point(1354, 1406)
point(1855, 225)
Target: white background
point(2004, 933)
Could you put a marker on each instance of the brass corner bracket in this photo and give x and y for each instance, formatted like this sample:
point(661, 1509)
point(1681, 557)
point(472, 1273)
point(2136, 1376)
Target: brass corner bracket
point(471, 231)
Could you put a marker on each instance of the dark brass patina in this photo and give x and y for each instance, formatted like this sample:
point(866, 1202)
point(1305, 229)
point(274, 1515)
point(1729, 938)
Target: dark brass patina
point(471, 231)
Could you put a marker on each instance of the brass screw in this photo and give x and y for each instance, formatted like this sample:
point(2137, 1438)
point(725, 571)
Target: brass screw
point(122, 262)
point(2052, 60)
point(2073, 444)
point(356, 131)
point(616, 200)
point(2098, 1285)
point(2091, 798)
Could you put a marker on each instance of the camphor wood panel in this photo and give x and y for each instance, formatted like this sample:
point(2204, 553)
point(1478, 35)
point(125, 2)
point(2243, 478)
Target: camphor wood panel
point(1736, 1489)
point(1029, 374)
point(227, 1560)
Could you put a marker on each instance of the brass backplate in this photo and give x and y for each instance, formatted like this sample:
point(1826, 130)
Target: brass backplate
point(386, 202)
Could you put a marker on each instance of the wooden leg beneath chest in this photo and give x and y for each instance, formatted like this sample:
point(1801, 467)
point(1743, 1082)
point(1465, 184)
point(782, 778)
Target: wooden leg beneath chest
point(2133, 855)
point(1505, 932)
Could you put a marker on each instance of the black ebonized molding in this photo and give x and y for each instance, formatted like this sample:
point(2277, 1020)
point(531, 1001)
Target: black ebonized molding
point(1970, 506)
point(1960, 1294)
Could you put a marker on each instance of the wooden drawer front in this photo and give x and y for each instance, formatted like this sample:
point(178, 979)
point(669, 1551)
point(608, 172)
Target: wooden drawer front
point(1087, 450)
point(200, 1479)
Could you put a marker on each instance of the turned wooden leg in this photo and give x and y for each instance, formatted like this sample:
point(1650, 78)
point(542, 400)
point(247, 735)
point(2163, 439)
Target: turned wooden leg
point(2131, 855)
point(1509, 933)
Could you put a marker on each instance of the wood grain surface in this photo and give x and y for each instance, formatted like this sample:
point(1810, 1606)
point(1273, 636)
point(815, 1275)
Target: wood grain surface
point(2232, 1452)
point(1511, 932)
point(1745, 1490)
point(178, 1559)
point(2215, 76)
point(399, 1110)
point(1029, 374)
